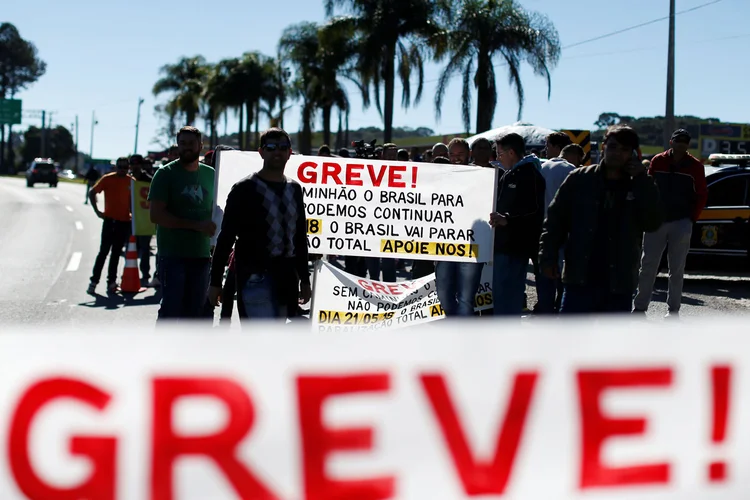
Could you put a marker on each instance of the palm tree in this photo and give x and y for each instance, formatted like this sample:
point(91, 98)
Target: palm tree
point(484, 30)
point(299, 46)
point(186, 80)
point(391, 40)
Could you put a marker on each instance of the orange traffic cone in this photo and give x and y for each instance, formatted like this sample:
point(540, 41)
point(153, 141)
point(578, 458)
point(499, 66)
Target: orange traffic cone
point(131, 282)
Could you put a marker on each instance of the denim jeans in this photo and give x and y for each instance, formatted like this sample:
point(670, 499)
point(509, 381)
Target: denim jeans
point(457, 284)
point(184, 286)
point(583, 299)
point(508, 284)
point(376, 264)
point(143, 244)
point(259, 299)
point(115, 234)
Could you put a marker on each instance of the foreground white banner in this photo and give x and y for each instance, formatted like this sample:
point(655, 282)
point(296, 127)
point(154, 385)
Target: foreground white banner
point(607, 411)
point(384, 209)
point(346, 303)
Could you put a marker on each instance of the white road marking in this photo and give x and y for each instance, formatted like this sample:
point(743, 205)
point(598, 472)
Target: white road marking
point(68, 208)
point(75, 261)
point(79, 225)
point(56, 198)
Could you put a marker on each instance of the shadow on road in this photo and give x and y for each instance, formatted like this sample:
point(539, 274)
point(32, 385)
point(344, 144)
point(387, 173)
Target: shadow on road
point(115, 301)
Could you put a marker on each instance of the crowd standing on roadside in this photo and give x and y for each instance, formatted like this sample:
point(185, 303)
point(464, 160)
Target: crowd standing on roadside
point(594, 235)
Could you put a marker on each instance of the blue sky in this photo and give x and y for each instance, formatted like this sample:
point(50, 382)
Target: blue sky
point(102, 56)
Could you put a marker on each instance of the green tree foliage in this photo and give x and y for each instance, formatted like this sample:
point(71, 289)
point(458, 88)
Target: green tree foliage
point(484, 33)
point(649, 128)
point(59, 146)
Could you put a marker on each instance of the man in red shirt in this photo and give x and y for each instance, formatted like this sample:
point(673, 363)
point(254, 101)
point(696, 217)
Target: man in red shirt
point(681, 179)
point(116, 222)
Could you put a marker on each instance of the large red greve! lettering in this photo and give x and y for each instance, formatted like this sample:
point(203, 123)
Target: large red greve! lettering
point(596, 428)
point(390, 289)
point(318, 441)
point(100, 450)
point(350, 174)
point(221, 447)
point(482, 477)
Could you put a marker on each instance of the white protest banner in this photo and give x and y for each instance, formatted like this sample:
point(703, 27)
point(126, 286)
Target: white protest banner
point(384, 209)
point(343, 302)
point(583, 411)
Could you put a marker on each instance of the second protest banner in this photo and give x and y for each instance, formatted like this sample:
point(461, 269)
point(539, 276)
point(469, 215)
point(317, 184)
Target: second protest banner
point(142, 225)
point(344, 302)
point(364, 207)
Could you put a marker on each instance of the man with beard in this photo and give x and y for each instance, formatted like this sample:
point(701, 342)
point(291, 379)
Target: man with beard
point(182, 201)
point(264, 219)
point(599, 215)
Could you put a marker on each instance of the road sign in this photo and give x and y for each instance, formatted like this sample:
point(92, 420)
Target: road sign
point(10, 111)
point(583, 139)
point(725, 138)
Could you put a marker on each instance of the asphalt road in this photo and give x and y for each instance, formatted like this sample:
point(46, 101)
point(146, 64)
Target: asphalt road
point(49, 240)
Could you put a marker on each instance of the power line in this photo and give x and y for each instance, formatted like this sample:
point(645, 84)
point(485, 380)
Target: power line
point(647, 23)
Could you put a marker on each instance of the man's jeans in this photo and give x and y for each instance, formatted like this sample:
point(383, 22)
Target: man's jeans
point(548, 291)
point(376, 264)
point(457, 284)
point(184, 286)
point(143, 244)
point(115, 234)
point(508, 284)
point(675, 236)
point(583, 299)
point(259, 301)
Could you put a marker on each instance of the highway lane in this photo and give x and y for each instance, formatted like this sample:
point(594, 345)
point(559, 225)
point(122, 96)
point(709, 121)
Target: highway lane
point(48, 243)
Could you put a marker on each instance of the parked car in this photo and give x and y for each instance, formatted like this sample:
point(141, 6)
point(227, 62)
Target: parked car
point(42, 170)
point(723, 228)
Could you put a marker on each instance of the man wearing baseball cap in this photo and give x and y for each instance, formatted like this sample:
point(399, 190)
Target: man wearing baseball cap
point(681, 180)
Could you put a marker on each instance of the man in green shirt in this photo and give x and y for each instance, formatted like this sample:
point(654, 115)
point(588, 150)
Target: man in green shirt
point(182, 202)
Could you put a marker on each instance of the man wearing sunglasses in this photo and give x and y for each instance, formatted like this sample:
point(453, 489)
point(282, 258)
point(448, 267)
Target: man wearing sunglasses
point(182, 202)
point(115, 222)
point(681, 179)
point(264, 219)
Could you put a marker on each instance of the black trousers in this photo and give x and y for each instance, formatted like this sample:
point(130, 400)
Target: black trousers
point(115, 234)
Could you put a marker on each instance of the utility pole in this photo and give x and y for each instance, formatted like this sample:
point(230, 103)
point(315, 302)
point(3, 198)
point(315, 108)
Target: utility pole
point(669, 124)
point(137, 123)
point(93, 124)
point(44, 134)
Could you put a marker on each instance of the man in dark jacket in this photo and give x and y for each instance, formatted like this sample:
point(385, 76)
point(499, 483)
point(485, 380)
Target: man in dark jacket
point(138, 166)
point(681, 179)
point(600, 214)
point(517, 220)
point(264, 219)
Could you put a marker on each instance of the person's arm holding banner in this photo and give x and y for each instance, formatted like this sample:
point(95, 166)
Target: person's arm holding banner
point(301, 252)
point(224, 244)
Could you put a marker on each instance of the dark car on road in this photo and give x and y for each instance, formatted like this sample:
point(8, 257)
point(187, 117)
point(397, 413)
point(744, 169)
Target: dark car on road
point(42, 170)
point(723, 228)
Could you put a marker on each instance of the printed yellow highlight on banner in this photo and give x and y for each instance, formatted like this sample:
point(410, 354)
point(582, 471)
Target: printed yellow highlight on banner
point(438, 249)
point(352, 318)
point(314, 226)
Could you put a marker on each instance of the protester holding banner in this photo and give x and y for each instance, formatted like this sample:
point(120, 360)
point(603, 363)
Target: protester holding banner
point(457, 282)
point(142, 242)
point(600, 214)
point(115, 222)
point(518, 218)
point(182, 202)
point(264, 220)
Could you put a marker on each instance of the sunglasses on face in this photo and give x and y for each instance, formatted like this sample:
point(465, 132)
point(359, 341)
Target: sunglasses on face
point(284, 146)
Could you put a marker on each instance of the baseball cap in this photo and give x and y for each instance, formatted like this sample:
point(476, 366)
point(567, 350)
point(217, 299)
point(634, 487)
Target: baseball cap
point(681, 133)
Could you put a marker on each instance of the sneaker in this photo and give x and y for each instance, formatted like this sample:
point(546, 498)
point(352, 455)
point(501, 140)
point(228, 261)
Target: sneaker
point(155, 283)
point(112, 288)
point(639, 312)
point(672, 315)
point(92, 288)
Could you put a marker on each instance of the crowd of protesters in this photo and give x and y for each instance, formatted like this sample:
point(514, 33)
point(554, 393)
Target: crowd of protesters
point(593, 235)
